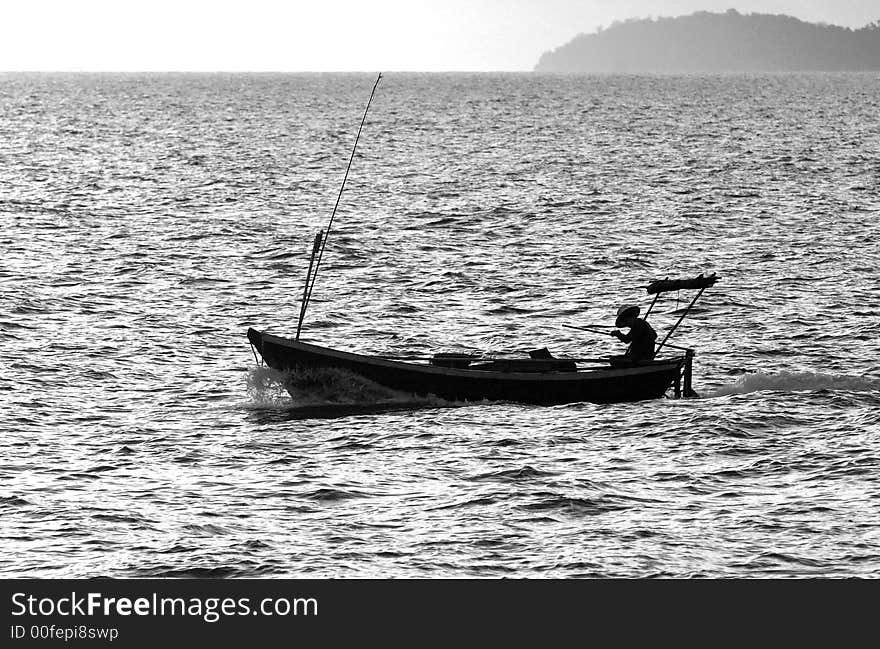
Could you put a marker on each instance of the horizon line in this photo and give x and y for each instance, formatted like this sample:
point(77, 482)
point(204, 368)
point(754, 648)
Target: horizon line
point(236, 71)
point(385, 72)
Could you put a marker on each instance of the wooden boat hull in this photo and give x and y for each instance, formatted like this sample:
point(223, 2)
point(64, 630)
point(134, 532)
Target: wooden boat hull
point(605, 385)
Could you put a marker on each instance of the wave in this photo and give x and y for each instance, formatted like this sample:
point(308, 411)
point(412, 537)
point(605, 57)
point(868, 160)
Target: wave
point(325, 387)
point(796, 381)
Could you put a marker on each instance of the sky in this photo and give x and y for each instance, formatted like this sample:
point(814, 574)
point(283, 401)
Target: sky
point(336, 35)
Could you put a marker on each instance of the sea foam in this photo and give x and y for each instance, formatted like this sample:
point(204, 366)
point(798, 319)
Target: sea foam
point(797, 381)
point(269, 388)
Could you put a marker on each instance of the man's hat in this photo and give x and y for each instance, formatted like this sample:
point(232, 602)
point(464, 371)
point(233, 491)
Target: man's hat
point(625, 311)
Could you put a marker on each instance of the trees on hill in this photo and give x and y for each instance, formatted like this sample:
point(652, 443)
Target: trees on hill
point(712, 42)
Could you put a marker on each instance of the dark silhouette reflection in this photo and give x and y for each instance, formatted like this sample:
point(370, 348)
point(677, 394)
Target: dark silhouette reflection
point(337, 411)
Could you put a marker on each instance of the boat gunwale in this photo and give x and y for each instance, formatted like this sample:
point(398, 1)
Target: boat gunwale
point(555, 375)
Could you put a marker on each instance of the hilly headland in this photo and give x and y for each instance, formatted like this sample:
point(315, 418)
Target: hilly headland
point(717, 42)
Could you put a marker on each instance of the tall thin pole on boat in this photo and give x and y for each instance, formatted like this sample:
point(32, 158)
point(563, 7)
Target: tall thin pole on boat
point(307, 293)
point(675, 326)
point(302, 307)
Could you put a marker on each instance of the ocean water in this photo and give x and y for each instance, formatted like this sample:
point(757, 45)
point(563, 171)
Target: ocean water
point(147, 221)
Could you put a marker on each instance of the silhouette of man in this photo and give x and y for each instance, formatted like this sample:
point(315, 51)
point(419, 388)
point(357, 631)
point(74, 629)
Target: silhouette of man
point(641, 335)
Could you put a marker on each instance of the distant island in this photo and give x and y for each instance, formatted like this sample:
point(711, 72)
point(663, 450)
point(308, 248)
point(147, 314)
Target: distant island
point(714, 42)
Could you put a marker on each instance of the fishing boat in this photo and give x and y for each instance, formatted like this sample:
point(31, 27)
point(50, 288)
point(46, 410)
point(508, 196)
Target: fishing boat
point(539, 379)
point(517, 380)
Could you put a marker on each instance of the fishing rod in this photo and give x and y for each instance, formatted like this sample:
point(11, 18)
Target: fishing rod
point(605, 332)
point(594, 330)
point(321, 242)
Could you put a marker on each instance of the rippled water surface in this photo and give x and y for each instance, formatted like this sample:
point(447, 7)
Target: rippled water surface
point(149, 220)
